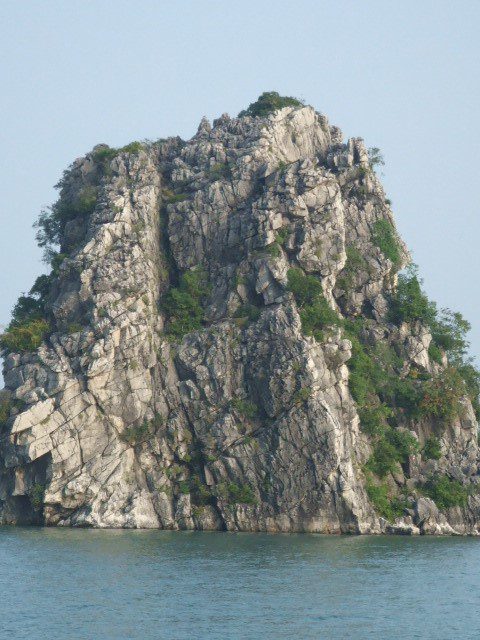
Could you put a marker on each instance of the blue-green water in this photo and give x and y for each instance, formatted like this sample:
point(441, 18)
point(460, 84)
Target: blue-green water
point(61, 584)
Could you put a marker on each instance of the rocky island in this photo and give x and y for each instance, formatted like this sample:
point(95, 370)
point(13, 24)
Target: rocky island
point(231, 338)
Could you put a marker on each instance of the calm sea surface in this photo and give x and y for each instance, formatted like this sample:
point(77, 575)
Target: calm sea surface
point(61, 584)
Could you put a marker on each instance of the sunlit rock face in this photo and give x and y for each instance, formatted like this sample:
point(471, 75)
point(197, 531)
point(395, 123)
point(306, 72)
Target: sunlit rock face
point(245, 419)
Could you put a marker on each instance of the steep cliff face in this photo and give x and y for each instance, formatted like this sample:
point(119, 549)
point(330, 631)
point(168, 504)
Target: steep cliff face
point(197, 370)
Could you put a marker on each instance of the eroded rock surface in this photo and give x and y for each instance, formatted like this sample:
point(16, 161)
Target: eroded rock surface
point(245, 423)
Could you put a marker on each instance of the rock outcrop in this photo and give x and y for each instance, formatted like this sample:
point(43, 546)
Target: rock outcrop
point(186, 382)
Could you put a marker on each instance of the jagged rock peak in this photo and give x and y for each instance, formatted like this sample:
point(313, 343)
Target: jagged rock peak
point(225, 342)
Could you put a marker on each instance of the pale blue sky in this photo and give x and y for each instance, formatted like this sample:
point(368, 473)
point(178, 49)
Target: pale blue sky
point(403, 75)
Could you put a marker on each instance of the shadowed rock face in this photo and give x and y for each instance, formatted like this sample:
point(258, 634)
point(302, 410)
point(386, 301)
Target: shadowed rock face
point(246, 423)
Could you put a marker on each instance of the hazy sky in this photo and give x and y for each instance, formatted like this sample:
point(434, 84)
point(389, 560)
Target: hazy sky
point(404, 75)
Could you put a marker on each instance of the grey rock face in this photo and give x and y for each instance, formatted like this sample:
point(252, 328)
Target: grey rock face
point(245, 423)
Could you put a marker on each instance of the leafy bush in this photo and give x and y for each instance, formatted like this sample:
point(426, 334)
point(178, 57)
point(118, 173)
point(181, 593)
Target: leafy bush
point(384, 237)
point(236, 494)
point(132, 147)
point(471, 377)
point(136, 434)
point(269, 102)
point(245, 408)
point(386, 506)
point(316, 317)
point(449, 330)
point(183, 304)
point(219, 171)
point(391, 448)
point(315, 312)
point(200, 492)
point(375, 157)
point(282, 235)
point(52, 220)
point(432, 449)
point(354, 264)
point(248, 311)
point(305, 289)
point(5, 407)
point(442, 394)
point(26, 336)
point(74, 327)
point(273, 249)
point(435, 353)
point(33, 306)
point(302, 395)
point(366, 373)
point(446, 492)
point(373, 418)
point(409, 303)
point(105, 153)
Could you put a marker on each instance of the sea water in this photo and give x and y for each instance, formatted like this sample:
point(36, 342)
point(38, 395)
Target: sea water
point(76, 584)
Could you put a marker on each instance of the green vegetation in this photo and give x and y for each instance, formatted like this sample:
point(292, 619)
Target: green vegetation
point(200, 492)
point(448, 332)
point(383, 396)
point(354, 264)
point(136, 434)
point(471, 378)
point(37, 494)
point(391, 447)
point(442, 395)
point(274, 249)
point(449, 329)
point(176, 197)
point(432, 449)
point(384, 504)
point(249, 312)
point(139, 433)
point(5, 407)
point(183, 304)
point(74, 327)
point(282, 235)
point(384, 237)
point(305, 289)
point(26, 336)
point(269, 102)
point(105, 154)
point(236, 494)
point(409, 303)
point(435, 353)
point(375, 157)
point(219, 171)
point(315, 312)
point(302, 395)
point(52, 220)
point(245, 408)
point(446, 492)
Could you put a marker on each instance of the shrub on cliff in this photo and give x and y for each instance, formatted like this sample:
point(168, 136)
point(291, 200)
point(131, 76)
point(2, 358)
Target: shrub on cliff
point(26, 336)
point(384, 503)
point(409, 303)
point(354, 265)
point(234, 493)
point(269, 102)
point(52, 220)
point(442, 395)
point(5, 407)
point(432, 449)
point(183, 304)
point(385, 239)
point(446, 492)
point(315, 312)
